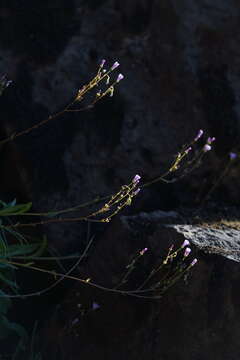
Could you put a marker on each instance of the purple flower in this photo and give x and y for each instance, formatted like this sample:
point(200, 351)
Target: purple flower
point(136, 192)
point(207, 148)
point(210, 140)
point(188, 150)
point(75, 321)
point(232, 155)
point(187, 251)
point(115, 65)
point(95, 306)
point(200, 133)
point(120, 77)
point(102, 62)
point(185, 243)
point(143, 251)
point(136, 179)
point(193, 262)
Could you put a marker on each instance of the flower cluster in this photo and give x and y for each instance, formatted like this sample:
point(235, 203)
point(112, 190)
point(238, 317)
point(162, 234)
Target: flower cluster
point(102, 75)
point(190, 164)
point(207, 147)
point(187, 251)
point(117, 202)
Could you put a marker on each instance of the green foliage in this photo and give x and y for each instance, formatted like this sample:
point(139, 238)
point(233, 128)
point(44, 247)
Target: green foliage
point(11, 208)
point(7, 327)
point(16, 248)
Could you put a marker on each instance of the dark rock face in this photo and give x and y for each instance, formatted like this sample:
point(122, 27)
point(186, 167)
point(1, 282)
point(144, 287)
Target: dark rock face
point(181, 67)
point(189, 322)
point(181, 74)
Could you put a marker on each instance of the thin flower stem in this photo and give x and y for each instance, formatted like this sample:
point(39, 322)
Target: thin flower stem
point(34, 127)
point(62, 276)
point(223, 174)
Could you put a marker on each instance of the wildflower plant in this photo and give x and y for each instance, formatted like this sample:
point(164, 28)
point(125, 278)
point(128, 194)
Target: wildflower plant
point(23, 254)
point(182, 163)
point(102, 76)
point(114, 203)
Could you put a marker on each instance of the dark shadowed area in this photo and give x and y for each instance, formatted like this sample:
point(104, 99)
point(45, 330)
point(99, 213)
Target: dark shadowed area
point(180, 60)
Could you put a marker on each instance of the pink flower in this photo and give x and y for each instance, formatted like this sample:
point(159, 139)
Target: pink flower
point(95, 306)
point(187, 251)
point(136, 192)
point(193, 262)
point(210, 140)
point(185, 243)
point(102, 62)
point(232, 155)
point(188, 150)
point(136, 179)
point(120, 77)
point(143, 251)
point(115, 65)
point(207, 148)
point(200, 133)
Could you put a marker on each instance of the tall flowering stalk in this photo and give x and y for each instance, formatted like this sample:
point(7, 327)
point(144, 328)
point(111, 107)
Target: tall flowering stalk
point(186, 166)
point(102, 75)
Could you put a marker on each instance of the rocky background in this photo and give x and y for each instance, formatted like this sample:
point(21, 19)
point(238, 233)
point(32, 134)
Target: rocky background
point(181, 65)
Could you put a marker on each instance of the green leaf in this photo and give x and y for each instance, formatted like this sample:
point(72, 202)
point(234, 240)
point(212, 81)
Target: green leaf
point(7, 327)
point(5, 303)
point(8, 282)
point(41, 247)
point(3, 203)
point(19, 250)
point(16, 209)
point(21, 238)
point(5, 265)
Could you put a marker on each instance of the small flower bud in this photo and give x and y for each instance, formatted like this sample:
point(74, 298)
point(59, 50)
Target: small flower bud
point(75, 321)
point(143, 251)
point(232, 155)
point(193, 262)
point(185, 243)
point(187, 251)
point(200, 133)
point(188, 150)
point(207, 148)
point(102, 63)
point(136, 179)
point(210, 140)
point(171, 248)
point(95, 306)
point(120, 77)
point(8, 83)
point(115, 65)
point(136, 192)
